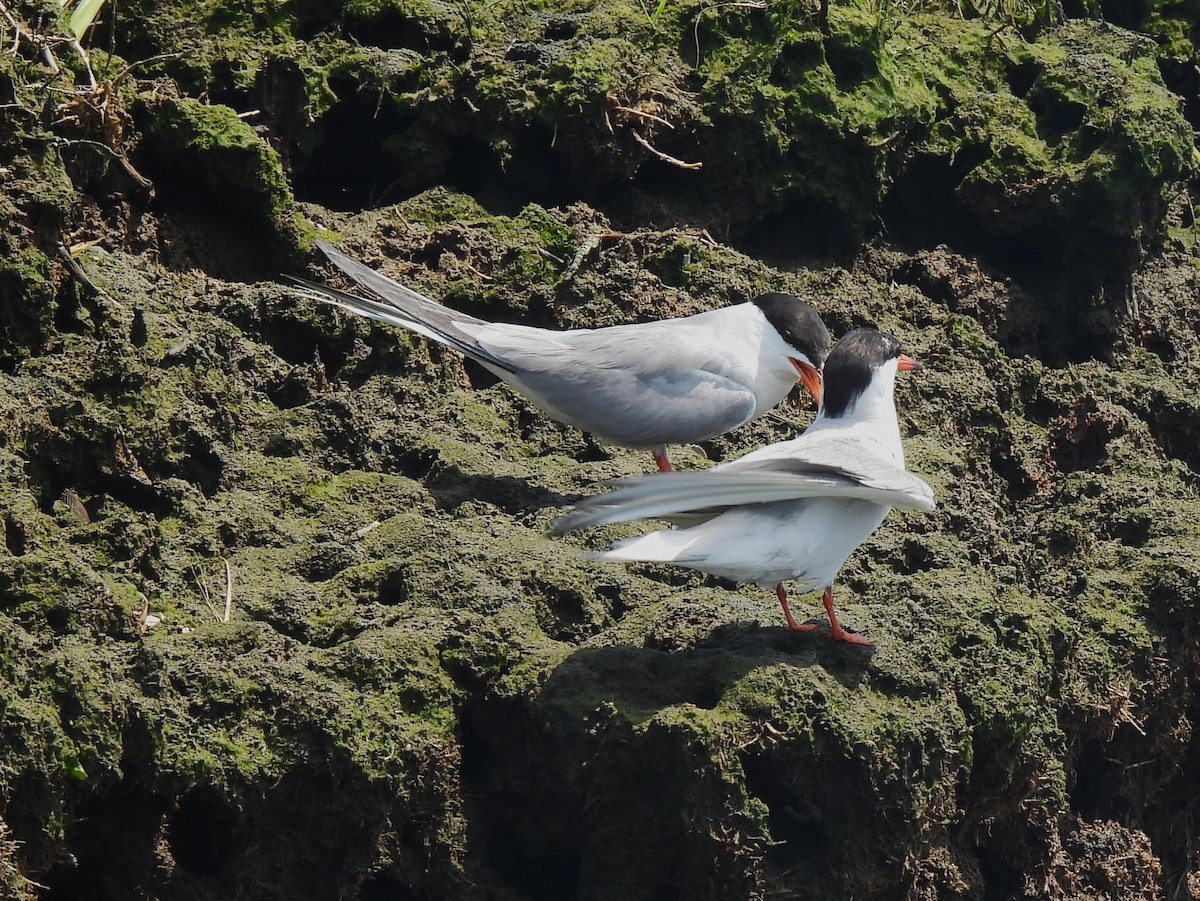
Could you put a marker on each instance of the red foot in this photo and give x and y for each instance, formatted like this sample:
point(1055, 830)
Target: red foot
point(836, 632)
point(660, 459)
point(792, 624)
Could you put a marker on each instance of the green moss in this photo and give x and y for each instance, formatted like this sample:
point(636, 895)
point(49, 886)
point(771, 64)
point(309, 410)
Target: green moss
point(212, 143)
point(550, 232)
point(431, 16)
point(29, 303)
point(582, 78)
point(199, 127)
point(1108, 167)
point(675, 264)
point(858, 88)
point(442, 207)
point(1173, 25)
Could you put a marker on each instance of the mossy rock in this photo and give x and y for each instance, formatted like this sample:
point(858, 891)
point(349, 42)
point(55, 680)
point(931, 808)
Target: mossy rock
point(207, 153)
point(468, 702)
point(1107, 137)
point(808, 131)
point(29, 301)
point(278, 614)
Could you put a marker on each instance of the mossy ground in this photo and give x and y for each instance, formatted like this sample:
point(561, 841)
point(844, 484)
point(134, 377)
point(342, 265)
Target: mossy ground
point(416, 693)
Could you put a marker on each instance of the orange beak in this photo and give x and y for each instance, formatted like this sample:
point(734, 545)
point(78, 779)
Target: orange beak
point(810, 376)
point(908, 364)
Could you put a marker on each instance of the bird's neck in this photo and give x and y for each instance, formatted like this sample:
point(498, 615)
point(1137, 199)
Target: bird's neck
point(870, 417)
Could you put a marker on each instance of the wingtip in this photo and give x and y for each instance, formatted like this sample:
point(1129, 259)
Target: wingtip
point(334, 255)
point(562, 524)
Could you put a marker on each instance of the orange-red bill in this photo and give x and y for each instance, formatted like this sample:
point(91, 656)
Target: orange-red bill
point(908, 364)
point(810, 376)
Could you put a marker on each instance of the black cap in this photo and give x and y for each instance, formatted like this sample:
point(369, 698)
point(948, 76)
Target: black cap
point(852, 364)
point(798, 324)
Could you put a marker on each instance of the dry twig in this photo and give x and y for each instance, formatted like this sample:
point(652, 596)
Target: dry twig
point(228, 592)
point(642, 114)
point(665, 157)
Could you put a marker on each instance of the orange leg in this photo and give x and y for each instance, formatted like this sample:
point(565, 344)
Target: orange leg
point(661, 459)
point(836, 632)
point(781, 593)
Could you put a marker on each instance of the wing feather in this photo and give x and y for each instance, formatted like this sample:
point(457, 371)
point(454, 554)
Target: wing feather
point(863, 477)
point(445, 332)
point(409, 302)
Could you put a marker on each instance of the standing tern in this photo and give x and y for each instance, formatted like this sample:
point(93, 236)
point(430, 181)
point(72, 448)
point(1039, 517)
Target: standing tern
point(644, 386)
point(793, 510)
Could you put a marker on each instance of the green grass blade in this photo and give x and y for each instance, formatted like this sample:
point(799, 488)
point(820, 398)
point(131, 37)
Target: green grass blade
point(83, 16)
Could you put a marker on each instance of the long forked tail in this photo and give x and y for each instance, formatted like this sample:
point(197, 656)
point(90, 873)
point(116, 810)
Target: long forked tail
point(403, 307)
point(409, 302)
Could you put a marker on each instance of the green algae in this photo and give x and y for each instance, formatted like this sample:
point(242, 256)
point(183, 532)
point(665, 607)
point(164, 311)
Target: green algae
point(410, 662)
point(213, 143)
point(988, 661)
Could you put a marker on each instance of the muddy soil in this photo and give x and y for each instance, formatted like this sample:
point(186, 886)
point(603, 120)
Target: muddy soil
point(279, 616)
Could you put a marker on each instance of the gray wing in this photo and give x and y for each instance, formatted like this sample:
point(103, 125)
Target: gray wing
point(860, 476)
point(639, 407)
point(844, 457)
point(639, 385)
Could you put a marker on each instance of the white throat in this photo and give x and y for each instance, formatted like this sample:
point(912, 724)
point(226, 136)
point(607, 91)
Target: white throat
point(871, 416)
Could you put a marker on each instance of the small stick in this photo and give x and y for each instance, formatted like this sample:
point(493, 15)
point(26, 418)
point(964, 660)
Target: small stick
point(204, 593)
point(368, 528)
point(16, 28)
point(480, 275)
point(145, 62)
point(50, 61)
point(666, 158)
point(74, 269)
point(228, 591)
point(143, 182)
point(87, 62)
point(642, 115)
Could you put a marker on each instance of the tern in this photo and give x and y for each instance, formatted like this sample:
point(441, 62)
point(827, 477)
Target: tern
point(642, 386)
point(795, 510)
